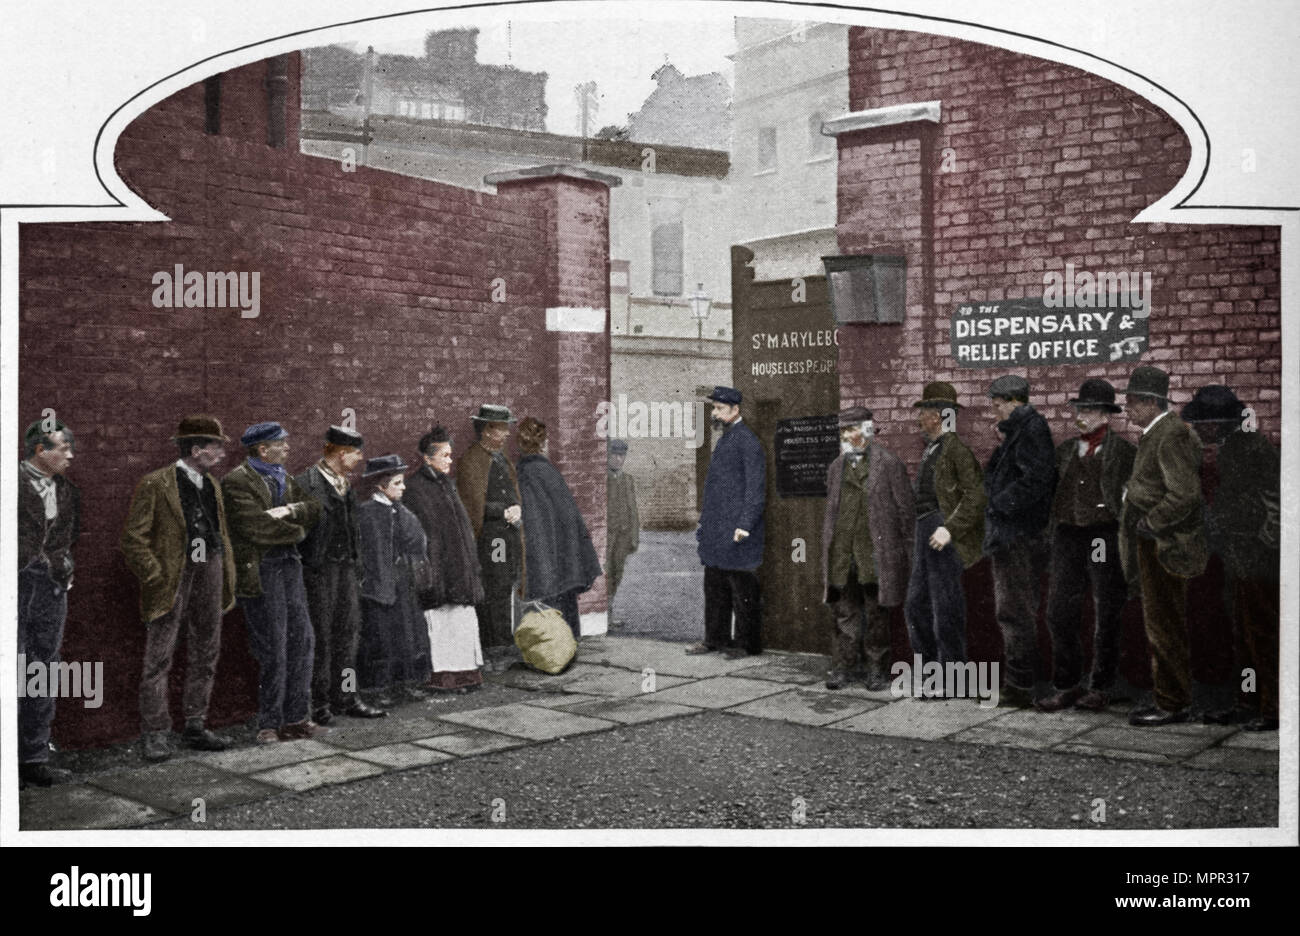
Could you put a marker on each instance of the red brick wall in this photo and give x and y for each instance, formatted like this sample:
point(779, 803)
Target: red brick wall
point(375, 296)
point(1052, 164)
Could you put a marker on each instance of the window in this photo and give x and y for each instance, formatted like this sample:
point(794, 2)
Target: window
point(426, 110)
point(767, 149)
point(666, 249)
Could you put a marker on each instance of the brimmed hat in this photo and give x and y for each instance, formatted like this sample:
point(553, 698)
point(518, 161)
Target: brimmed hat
point(200, 427)
point(1096, 393)
point(261, 432)
point(938, 395)
point(384, 465)
point(1009, 387)
point(491, 412)
point(1213, 403)
point(728, 395)
point(854, 416)
point(338, 435)
point(1148, 381)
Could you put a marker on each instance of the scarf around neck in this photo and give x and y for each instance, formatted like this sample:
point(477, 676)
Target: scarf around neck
point(275, 472)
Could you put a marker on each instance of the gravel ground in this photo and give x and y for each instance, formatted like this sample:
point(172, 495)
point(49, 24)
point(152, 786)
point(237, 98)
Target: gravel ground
point(719, 770)
point(661, 595)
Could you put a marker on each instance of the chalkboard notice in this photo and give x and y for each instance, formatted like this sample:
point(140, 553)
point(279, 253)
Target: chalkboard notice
point(1016, 333)
point(804, 448)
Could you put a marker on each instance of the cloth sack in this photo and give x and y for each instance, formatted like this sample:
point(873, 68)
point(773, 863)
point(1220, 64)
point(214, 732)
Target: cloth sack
point(545, 640)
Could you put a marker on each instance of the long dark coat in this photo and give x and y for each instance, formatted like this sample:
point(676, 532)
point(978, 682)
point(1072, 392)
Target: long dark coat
point(1020, 480)
point(336, 510)
point(452, 552)
point(735, 494)
point(891, 519)
point(394, 646)
point(487, 485)
point(34, 540)
point(1245, 518)
point(561, 557)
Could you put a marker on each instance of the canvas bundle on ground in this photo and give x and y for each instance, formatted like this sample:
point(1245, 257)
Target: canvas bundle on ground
point(544, 638)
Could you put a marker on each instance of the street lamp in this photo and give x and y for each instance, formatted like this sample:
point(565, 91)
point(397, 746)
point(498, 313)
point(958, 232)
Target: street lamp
point(700, 303)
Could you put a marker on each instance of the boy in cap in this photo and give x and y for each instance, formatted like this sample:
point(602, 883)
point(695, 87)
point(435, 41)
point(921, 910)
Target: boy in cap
point(176, 542)
point(1092, 469)
point(331, 573)
point(269, 514)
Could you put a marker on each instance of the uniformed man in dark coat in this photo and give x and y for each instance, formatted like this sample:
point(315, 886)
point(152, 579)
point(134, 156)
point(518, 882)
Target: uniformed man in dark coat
point(331, 574)
point(1245, 530)
point(730, 533)
point(1020, 479)
point(1092, 469)
point(866, 549)
point(49, 521)
point(1162, 538)
point(486, 483)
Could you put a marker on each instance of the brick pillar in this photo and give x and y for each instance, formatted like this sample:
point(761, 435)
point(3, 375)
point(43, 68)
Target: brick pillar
point(576, 295)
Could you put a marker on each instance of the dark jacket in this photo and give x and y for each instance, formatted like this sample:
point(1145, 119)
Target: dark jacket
point(252, 532)
point(735, 494)
point(890, 520)
point(1116, 465)
point(1245, 518)
point(54, 545)
point(1165, 488)
point(487, 485)
point(561, 557)
point(155, 542)
point(451, 548)
point(336, 536)
point(959, 488)
point(388, 537)
point(1019, 480)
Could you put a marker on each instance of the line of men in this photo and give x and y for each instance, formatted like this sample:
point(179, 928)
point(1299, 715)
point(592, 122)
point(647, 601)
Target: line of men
point(285, 548)
point(1096, 512)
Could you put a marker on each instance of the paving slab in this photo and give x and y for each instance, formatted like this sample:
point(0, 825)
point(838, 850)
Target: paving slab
point(401, 756)
point(523, 677)
point(1032, 719)
point(1239, 759)
point(560, 699)
point(798, 669)
point(671, 659)
point(529, 721)
point(79, 806)
point(380, 731)
point(634, 711)
point(924, 719)
point(1116, 753)
point(1037, 739)
point(616, 682)
point(719, 692)
point(316, 773)
point(804, 707)
point(1258, 740)
point(265, 756)
point(469, 743)
point(175, 785)
point(855, 690)
point(1173, 743)
point(1214, 732)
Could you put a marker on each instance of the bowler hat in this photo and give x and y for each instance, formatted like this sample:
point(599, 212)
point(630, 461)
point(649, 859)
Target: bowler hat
point(728, 395)
point(1009, 387)
point(261, 432)
point(1096, 393)
point(854, 416)
point(938, 395)
point(200, 427)
point(1148, 381)
point(384, 465)
point(491, 412)
point(1213, 403)
point(338, 435)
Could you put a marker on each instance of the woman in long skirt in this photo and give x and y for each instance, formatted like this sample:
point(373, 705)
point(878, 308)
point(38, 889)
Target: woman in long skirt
point(394, 652)
point(454, 585)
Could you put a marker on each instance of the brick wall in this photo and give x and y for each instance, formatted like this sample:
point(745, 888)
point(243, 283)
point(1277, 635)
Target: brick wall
point(1051, 165)
point(375, 297)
